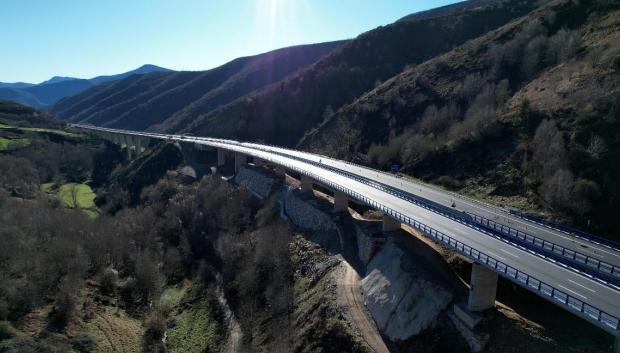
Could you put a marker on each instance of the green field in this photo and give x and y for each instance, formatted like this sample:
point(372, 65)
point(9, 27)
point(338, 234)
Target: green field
point(36, 129)
point(73, 195)
point(13, 144)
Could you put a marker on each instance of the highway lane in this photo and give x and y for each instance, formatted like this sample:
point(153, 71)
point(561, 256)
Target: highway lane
point(463, 203)
point(586, 289)
point(447, 199)
point(574, 284)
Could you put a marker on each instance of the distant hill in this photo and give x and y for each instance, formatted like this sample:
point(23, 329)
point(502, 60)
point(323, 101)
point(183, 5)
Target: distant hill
point(49, 92)
point(170, 100)
point(15, 114)
point(57, 79)
point(15, 85)
point(283, 113)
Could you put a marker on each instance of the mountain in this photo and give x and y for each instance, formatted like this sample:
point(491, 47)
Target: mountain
point(15, 85)
point(49, 92)
point(165, 100)
point(57, 79)
point(144, 69)
point(283, 113)
point(526, 115)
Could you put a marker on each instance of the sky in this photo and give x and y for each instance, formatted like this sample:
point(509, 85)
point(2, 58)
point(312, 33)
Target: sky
point(87, 38)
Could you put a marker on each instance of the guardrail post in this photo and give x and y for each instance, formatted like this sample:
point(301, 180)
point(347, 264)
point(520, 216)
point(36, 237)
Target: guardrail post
point(390, 224)
point(341, 201)
point(240, 161)
point(482, 288)
point(306, 183)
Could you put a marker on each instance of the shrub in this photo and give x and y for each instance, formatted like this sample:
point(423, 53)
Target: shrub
point(449, 182)
point(83, 342)
point(109, 281)
point(6, 330)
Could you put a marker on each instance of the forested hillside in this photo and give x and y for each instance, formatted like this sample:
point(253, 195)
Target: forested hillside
point(283, 112)
point(102, 254)
point(166, 101)
point(525, 115)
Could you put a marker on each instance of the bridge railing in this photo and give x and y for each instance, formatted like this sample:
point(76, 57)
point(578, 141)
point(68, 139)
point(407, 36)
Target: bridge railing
point(606, 272)
point(591, 313)
point(597, 316)
point(577, 260)
point(566, 229)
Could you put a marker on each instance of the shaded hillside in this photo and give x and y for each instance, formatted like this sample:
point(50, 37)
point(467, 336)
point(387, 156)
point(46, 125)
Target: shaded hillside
point(527, 114)
point(49, 92)
point(282, 113)
point(12, 113)
point(169, 99)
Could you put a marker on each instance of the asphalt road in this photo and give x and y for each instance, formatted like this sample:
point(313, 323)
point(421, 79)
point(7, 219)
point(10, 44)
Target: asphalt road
point(579, 286)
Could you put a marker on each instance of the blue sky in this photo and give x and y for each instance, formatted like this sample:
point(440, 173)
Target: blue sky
point(86, 38)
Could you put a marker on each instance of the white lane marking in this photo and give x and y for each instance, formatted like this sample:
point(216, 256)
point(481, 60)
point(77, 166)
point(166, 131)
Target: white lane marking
point(494, 254)
point(509, 253)
point(572, 291)
point(582, 286)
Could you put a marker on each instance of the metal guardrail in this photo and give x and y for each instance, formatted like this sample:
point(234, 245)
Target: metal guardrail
point(591, 313)
point(551, 248)
point(580, 262)
point(566, 229)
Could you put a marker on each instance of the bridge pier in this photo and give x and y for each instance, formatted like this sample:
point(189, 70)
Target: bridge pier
point(482, 288)
point(306, 183)
point(221, 157)
point(617, 344)
point(258, 162)
point(126, 140)
point(341, 201)
point(240, 161)
point(390, 224)
point(279, 170)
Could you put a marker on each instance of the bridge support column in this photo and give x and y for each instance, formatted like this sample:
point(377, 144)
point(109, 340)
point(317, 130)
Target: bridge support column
point(280, 171)
point(240, 161)
point(482, 288)
point(617, 344)
point(126, 140)
point(390, 224)
point(221, 157)
point(306, 183)
point(138, 144)
point(341, 201)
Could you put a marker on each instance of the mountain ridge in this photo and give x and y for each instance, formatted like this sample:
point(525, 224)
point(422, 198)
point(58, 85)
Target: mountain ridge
point(50, 91)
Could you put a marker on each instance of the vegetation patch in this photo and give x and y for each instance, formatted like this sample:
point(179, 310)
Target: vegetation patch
point(13, 144)
point(172, 296)
point(197, 329)
point(41, 130)
point(114, 331)
point(74, 195)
